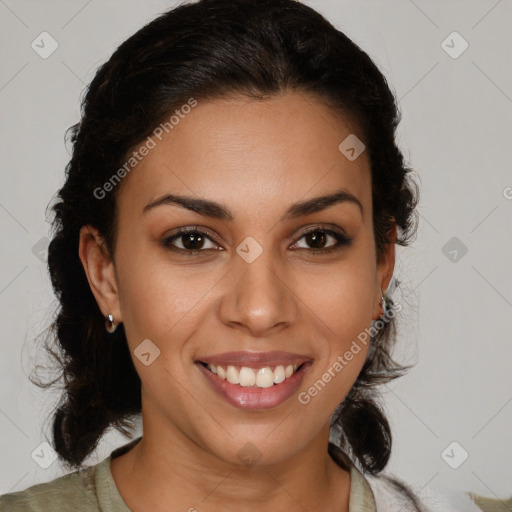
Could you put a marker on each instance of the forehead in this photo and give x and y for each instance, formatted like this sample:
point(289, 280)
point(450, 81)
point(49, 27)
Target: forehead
point(247, 152)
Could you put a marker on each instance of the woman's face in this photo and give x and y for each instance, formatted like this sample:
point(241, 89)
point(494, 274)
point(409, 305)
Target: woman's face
point(251, 282)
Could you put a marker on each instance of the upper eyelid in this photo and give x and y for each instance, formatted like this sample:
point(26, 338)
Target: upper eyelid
point(327, 229)
point(339, 234)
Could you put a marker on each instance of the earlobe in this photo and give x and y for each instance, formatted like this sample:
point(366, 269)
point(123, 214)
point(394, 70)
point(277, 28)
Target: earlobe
point(99, 269)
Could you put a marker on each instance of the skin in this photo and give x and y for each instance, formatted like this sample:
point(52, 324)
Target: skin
point(256, 158)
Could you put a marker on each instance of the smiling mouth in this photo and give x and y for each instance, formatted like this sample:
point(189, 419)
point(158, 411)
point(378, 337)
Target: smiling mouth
point(264, 377)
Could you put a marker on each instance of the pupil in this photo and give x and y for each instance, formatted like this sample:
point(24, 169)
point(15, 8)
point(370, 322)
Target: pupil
point(191, 239)
point(317, 240)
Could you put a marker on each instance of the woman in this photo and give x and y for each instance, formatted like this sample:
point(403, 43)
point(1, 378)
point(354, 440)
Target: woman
point(223, 256)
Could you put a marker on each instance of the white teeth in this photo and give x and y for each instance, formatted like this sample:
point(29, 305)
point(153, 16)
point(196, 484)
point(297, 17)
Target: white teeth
point(248, 377)
point(279, 374)
point(218, 370)
point(264, 378)
point(233, 375)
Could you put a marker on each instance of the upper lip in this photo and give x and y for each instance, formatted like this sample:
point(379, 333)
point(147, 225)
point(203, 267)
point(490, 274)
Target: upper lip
point(255, 359)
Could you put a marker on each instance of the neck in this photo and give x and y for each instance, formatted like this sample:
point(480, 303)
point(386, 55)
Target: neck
point(164, 469)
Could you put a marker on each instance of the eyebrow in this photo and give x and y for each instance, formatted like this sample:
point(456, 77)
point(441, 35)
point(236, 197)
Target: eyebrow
point(217, 211)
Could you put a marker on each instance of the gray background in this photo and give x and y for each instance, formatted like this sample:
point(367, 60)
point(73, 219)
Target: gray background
point(456, 134)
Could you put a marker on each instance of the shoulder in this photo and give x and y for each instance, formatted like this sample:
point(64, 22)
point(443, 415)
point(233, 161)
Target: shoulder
point(390, 492)
point(492, 505)
point(90, 489)
point(74, 491)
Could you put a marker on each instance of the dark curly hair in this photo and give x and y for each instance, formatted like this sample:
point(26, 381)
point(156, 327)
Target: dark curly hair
point(210, 49)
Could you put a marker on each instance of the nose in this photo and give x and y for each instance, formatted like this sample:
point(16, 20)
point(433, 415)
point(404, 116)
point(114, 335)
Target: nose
point(260, 297)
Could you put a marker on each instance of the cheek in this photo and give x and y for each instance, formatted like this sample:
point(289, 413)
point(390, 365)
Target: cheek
point(342, 297)
point(341, 306)
point(161, 302)
point(160, 308)
point(341, 355)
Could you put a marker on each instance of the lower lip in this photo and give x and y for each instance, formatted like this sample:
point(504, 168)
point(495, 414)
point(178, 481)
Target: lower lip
point(254, 398)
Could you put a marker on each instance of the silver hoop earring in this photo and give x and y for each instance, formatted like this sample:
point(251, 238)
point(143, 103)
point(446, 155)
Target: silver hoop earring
point(110, 324)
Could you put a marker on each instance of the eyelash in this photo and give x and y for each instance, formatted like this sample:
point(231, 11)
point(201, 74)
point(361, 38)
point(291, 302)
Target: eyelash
point(341, 240)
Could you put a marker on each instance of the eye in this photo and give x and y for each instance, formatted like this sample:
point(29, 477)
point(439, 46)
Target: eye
point(318, 239)
point(190, 240)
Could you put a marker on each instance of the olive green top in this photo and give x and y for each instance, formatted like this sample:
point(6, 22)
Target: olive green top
point(92, 489)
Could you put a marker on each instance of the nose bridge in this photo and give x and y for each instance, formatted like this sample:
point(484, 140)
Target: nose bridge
point(259, 297)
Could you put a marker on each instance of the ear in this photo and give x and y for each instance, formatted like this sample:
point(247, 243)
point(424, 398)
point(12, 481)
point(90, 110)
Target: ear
point(384, 272)
point(100, 272)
